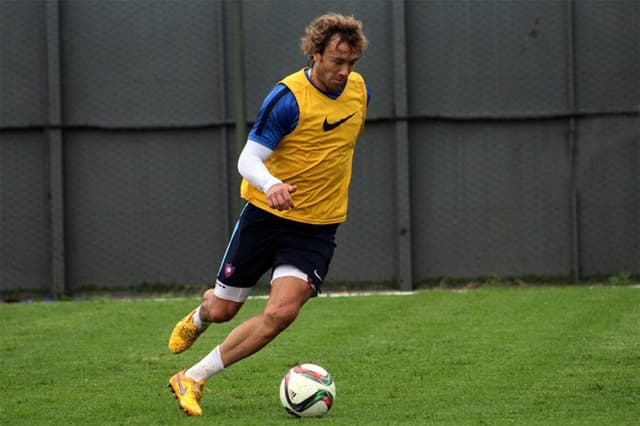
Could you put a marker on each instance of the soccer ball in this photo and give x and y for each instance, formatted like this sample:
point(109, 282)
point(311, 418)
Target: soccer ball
point(307, 390)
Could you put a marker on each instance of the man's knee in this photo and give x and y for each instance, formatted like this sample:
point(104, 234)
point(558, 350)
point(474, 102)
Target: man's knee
point(281, 317)
point(288, 295)
point(214, 309)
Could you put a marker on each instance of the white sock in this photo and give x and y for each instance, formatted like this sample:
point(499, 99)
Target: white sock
point(197, 321)
point(207, 367)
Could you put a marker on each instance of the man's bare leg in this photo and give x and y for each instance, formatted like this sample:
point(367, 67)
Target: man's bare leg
point(288, 295)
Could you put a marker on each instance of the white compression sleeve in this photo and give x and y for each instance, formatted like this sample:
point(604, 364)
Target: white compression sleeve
point(251, 166)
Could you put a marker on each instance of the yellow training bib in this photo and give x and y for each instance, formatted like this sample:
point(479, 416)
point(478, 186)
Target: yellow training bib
point(317, 155)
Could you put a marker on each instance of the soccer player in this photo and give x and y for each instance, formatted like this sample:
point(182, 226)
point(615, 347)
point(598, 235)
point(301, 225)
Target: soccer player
point(296, 169)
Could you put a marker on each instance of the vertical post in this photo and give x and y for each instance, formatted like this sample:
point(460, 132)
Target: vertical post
point(573, 187)
point(239, 93)
point(227, 151)
point(404, 264)
point(55, 145)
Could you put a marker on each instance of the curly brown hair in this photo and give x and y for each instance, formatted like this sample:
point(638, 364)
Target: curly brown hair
point(320, 31)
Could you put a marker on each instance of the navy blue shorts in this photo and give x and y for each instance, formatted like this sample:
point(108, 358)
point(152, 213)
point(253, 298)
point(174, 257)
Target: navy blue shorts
point(262, 241)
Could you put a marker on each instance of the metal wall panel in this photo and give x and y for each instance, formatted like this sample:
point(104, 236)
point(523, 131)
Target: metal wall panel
point(486, 58)
point(607, 55)
point(490, 200)
point(24, 221)
point(23, 59)
point(376, 64)
point(142, 63)
point(366, 242)
point(608, 178)
point(144, 207)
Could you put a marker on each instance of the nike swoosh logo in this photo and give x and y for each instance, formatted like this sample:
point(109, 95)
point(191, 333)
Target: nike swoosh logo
point(182, 389)
point(315, 272)
point(326, 126)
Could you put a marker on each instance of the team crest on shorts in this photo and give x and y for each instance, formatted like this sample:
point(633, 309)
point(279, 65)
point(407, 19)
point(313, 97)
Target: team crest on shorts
point(229, 269)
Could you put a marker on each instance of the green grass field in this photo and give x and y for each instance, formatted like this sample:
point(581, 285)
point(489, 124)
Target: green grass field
point(535, 356)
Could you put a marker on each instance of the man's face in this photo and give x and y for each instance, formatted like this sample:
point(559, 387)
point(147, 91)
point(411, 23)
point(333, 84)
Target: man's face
point(331, 68)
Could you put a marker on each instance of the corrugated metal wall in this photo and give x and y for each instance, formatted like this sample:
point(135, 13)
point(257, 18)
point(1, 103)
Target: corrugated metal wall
point(503, 138)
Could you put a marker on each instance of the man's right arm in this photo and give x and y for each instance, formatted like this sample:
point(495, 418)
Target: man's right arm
point(251, 167)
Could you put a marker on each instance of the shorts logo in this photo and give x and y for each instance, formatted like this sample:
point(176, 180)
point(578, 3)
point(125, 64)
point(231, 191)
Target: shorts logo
point(315, 272)
point(229, 269)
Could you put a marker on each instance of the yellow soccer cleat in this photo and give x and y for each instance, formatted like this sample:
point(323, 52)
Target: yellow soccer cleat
point(184, 334)
point(188, 393)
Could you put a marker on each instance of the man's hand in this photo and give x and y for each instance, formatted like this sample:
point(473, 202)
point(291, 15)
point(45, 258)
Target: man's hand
point(279, 196)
